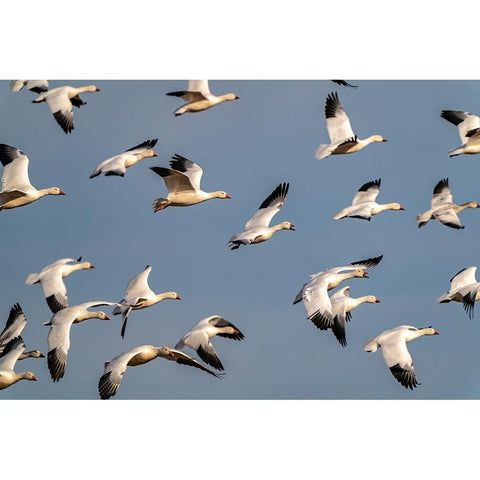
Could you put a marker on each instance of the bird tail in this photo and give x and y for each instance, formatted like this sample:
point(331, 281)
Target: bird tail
point(444, 298)
point(455, 152)
point(32, 278)
point(371, 345)
point(323, 151)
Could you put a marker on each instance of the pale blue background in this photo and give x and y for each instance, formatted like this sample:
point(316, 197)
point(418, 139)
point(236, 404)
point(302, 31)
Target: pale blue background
point(246, 148)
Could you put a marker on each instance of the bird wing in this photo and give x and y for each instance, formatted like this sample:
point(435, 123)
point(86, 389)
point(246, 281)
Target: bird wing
point(111, 166)
point(441, 193)
point(184, 359)
point(464, 277)
point(220, 322)
point(138, 287)
point(269, 207)
point(61, 108)
point(15, 169)
point(13, 349)
point(399, 362)
point(146, 145)
point(448, 217)
point(317, 302)
point(367, 192)
point(193, 171)
point(16, 322)
point(464, 121)
point(338, 123)
point(200, 86)
point(54, 290)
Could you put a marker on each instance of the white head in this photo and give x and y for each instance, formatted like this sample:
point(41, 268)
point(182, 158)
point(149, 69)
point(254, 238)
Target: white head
point(287, 226)
point(55, 191)
point(372, 299)
point(396, 206)
point(378, 138)
point(28, 376)
point(221, 194)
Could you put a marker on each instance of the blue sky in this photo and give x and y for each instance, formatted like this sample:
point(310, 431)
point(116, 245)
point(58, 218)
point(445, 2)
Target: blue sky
point(109, 221)
point(246, 147)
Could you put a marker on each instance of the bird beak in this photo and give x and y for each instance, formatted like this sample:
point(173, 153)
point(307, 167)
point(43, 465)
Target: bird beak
point(384, 140)
point(228, 196)
point(402, 208)
point(92, 266)
point(155, 154)
point(41, 355)
point(97, 89)
point(236, 97)
point(62, 192)
point(292, 227)
point(365, 274)
point(378, 300)
point(107, 317)
point(179, 297)
point(35, 379)
point(436, 332)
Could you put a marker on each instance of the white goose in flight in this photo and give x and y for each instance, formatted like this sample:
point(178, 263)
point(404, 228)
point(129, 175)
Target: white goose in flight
point(468, 129)
point(342, 138)
point(394, 349)
point(257, 229)
point(198, 97)
point(11, 353)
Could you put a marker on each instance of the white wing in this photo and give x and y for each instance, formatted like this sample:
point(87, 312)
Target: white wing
point(464, 121)
point(11, 352)
point(138, 286)
point(464, 277)
point(441, 193)
point(338, 123)
point(367, 192)
point(15, 169)
point(269, 207)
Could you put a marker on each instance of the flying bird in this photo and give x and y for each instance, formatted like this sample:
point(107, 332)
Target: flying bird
point(344, 83)
point(139, 295)
point(183, 183)
point(109, 382)
point(11, 353)
point(442, 207)
point(257, 229)
point(17, 190)
point(118, 164)
point(37, 86)
point(364, 204)
point(342, 138)
point(198, 338)
point(59, 334)
point(468, 128)
point(14, 326)
point(314, 294)
point(342, 305)
point(464, 288)
point(61, 101)
point(51, 280)
point(394, 349)
point(198, 97)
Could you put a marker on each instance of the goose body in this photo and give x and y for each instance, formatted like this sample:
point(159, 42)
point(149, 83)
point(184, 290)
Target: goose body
point(342, 305)
point(468, 129)
point(395, 353)
point(198, 338)
point(51, 279)
point(183, 183)
point(17, 190)
point(342, 138)
point(9, 356)
point(443, 209)
point(364, 204)
point(118, 164)
point(198, 97)
point(59, 334)
point(464, 288)
point(257, 229)
point(139, 295)
point(114, 371)
point(37, 86)
point(314, 294)
point(61, 101)
point(14, 326)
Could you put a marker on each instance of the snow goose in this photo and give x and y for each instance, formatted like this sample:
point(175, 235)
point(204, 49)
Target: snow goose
point(198, 338)
point(14, 326)
point(37, 86)
point(109, 382)
point(468, 129)
point(198, 97)
point(183, 183)
point(443, 209)
point(118, 164)
point(257, 229)
point(394, 349)
point(8, 358)
point(315, 293)
point(342, 305)
point(61, 101)
point(463, 288)
point(139, 295)
point(59, 335)
point(342, 138)
point(364, 204)
point(344, 83)
point(17, 190)
point(51, 279)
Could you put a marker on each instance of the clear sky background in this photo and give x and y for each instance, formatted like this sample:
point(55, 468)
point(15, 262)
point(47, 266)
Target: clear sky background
point(246, 148)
